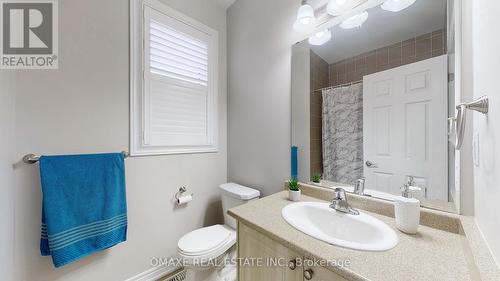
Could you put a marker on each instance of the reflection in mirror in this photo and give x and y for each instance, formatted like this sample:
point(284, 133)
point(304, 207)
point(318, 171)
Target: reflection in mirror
point(370, 106)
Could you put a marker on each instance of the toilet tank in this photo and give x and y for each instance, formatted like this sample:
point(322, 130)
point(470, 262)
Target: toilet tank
point(234, 195)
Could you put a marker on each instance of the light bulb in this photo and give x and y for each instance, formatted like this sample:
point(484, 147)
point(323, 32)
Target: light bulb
point(355, 21)
point(305, 21)
point(397, 5)
point(305, 17)
point(305, 12)
point(320, 37)
point(339, 7)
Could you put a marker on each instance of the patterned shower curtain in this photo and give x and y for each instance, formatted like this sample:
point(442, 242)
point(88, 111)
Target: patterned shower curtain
point(343, 134)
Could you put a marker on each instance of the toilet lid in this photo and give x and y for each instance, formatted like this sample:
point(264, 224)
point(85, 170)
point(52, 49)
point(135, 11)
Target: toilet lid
point(204, 239)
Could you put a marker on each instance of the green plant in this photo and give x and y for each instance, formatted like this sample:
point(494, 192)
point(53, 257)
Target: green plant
point(316, 178)
point(293, 184)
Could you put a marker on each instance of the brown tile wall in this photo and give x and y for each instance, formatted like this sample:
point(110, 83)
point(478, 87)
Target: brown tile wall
point(409, 51)
point(319, 79)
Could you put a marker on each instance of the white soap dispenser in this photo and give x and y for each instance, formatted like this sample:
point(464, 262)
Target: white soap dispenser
point(407, 210)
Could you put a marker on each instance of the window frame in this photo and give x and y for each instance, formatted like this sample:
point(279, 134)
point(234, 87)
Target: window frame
point(138, 74)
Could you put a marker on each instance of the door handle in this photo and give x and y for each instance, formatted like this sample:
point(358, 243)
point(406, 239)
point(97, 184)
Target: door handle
point(370, 164)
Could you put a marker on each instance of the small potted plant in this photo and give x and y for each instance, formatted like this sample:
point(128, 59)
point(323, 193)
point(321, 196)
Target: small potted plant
point(293, 190)
point(316, 179)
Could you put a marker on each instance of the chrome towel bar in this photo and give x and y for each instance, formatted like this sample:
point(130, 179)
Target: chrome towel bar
point(32, 158)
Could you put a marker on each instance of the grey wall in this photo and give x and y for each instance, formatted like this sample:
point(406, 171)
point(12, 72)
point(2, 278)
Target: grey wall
point(7, 147)
point(260, 37)
point(300, 125)
point(83, 107)
point(466, 175)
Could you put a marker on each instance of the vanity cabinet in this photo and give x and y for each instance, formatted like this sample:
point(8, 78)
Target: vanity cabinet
point(260, 258)
point(263, 259)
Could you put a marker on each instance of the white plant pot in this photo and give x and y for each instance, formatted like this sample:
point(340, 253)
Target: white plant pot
point(293, 195)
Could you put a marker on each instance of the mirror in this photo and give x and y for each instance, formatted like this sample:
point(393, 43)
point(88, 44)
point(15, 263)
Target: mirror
point(373, 104)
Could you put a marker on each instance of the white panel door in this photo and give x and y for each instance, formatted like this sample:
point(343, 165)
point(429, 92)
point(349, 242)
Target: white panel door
point(404, 131)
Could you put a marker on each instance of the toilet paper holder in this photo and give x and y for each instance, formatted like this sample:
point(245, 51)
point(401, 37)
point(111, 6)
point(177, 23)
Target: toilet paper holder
point(181, 192)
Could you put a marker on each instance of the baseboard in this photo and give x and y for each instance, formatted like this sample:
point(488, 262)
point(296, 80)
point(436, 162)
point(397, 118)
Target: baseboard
point(153, 274)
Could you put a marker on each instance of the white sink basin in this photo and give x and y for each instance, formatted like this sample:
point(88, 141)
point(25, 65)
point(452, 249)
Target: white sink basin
point(360, 232)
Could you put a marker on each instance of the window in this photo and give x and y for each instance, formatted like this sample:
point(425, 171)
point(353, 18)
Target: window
point(173, 82)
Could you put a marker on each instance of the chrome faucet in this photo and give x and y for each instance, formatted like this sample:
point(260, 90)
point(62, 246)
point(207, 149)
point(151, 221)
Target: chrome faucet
point(340, 203)
point(359, 187)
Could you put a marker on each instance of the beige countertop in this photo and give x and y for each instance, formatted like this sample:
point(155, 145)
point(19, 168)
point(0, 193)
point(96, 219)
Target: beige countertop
point(431, 254)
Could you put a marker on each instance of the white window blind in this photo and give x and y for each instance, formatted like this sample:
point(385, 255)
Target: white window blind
point(177, 55)
point(179, 84)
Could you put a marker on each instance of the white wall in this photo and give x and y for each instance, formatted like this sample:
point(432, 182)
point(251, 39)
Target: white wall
point(486, 44)
point(7, 146)
point(260, 37)
point(83, 107)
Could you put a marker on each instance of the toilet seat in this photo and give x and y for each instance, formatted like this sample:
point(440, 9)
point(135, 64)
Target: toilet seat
point(206, 243)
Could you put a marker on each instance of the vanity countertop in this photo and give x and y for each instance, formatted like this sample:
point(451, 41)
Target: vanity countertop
point(431, 254)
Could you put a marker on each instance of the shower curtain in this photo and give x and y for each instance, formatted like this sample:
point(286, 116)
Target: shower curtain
point(343, 134)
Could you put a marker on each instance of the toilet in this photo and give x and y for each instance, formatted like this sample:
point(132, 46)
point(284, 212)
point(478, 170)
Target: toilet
point(203, 250)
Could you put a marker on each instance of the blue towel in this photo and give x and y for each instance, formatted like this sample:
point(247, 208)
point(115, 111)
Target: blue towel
point(84, 208)
point(294, 161)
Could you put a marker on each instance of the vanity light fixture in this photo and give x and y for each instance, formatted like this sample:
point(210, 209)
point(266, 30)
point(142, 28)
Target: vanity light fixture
point(320, 38)
point(305, 17)
point(355, 21)
point(397, 5)
point(339, 7)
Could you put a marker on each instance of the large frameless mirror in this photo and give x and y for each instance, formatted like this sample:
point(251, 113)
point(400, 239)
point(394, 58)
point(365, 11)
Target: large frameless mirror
point(371, 98)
